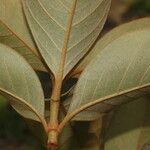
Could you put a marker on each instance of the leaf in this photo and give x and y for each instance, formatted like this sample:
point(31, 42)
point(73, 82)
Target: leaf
point(48, 20)
point(8, 38)
point(111, 36)
point(119, 73)
point(130, 127)
point(19, 83)
point(14, 32)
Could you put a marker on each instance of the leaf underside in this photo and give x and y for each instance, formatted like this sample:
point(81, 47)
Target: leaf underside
point(129, 128)
point(134, 25)
point(14, 32)
point(15, 83)
point(11, 40)
point(48, 23)
point(117, 75)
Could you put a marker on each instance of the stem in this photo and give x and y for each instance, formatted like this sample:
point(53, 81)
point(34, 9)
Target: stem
point(56, 94)
point(69, 116)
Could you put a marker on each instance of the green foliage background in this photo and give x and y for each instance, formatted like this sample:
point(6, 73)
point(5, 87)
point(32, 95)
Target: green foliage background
point(140, 8)
point(14, 133)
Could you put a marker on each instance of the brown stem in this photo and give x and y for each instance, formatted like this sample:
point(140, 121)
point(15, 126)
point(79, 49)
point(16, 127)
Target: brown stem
point(56, 94)
point(72, 114)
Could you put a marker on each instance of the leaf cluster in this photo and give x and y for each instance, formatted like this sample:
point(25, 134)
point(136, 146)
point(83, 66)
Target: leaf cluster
point(60, 39)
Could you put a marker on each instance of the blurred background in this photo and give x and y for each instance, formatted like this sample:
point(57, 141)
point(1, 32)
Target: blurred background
point(14, 132)
point(126, 10)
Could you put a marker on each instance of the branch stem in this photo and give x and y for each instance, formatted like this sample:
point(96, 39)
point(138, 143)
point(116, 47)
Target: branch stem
point(56, 94)
point(72, 114)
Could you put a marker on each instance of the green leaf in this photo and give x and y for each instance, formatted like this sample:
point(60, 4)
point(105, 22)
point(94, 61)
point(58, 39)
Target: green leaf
point(111, 36)
point(14, 32)
point(129, 128)
point(119, 73)
point(48, 20)
point(19, 83)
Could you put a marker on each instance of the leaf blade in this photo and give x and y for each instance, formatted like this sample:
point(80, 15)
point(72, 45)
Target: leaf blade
point(53, 28)
point(119, 75)
point(109, 37)
point(15, 83)
point(134, 133)
point(14, 32)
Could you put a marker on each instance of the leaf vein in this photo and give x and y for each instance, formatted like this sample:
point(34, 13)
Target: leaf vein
point(44, 9)
point(97, 25)
point(76, 23)
point(50, 38)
